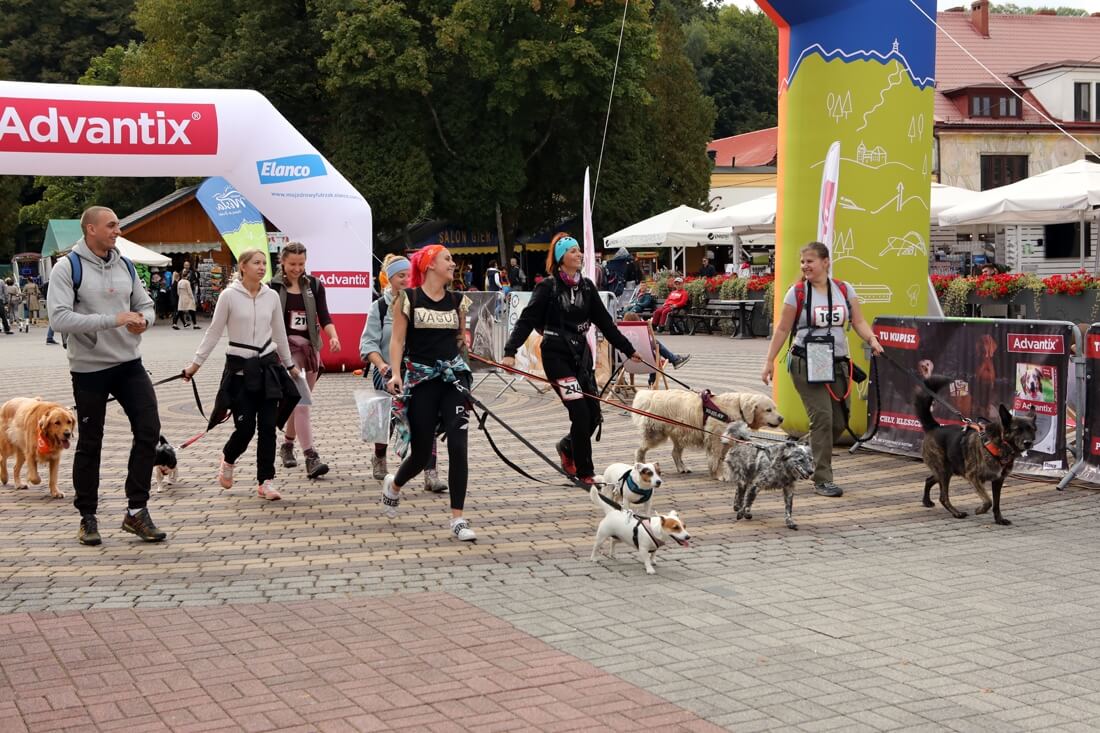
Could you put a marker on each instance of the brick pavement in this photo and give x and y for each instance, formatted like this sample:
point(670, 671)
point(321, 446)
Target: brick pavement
point(877, 614)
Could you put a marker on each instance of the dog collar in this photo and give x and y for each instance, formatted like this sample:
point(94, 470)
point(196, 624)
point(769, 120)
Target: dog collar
point(995, 451)
point(626, 480)
point(43, 444)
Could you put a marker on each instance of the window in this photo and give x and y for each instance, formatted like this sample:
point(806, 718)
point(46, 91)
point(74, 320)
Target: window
point(981, 107)
point(1000, 170)
point(1082, 110)
point(1064, 240)
point(995, 105)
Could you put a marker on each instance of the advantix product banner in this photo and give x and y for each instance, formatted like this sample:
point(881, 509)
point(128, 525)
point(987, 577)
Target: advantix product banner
point(1022, 365)
point(1091, 471)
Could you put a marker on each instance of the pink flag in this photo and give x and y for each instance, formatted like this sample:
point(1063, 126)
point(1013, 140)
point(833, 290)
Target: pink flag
point(830, 182)
point(589, 254)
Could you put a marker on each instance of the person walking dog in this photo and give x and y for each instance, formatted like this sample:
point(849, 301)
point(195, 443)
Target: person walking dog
point(97, 300)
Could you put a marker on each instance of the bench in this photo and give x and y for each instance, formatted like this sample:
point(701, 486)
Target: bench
point(738, 312)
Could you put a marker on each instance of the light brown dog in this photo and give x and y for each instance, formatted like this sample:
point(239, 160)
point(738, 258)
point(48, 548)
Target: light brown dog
point(34, 431)
point(756, 410)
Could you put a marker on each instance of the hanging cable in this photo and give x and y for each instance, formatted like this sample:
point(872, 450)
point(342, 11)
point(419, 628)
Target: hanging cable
point(998, 79)
point(610, 97)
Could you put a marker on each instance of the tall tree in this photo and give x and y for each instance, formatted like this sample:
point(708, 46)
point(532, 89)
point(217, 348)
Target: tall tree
point(743, 71)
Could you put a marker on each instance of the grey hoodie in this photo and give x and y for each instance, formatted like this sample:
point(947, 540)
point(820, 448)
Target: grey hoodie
point(106, 289)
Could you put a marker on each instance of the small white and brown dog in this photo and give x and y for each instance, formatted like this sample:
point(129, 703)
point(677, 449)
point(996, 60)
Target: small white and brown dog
point(165, 472)
point(647, 534)
point(632, 485)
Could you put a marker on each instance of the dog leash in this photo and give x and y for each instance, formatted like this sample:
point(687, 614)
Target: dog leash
point(912, 374)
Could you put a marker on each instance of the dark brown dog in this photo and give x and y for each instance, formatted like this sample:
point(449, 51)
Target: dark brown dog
point(977, 456)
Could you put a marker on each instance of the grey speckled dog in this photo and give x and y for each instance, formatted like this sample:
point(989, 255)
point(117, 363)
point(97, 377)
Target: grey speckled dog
point(755, 466)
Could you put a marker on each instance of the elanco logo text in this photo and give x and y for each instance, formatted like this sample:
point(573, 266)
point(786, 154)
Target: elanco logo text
point(107, 128)
point(1028, 343)
point(897, 337)
point(344, 279)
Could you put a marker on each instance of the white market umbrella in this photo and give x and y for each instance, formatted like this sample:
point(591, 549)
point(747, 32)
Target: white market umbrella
point(672, 229)
point(1057, 196)
point(945, 197)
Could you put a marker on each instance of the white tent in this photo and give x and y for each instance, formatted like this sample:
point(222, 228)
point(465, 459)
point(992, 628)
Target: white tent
point(758, 215)
point(1065, 194)
point(139, 255)
point(1059, 195)
point(671, 229)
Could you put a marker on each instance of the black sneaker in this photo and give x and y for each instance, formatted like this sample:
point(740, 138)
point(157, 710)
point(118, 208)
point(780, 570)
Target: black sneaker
point(676, 364)
point(88, 534)
point(828, 488)
point(142, 525)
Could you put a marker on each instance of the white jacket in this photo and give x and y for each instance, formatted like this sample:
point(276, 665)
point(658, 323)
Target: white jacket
point(253, 321)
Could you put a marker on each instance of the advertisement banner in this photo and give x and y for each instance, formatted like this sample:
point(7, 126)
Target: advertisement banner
point(1091, 420)
point(855, 155)
point(486, 324)
point(1023, 365)
point(239, 222)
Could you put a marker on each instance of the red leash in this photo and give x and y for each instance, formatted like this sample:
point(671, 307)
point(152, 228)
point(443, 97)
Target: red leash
point(618, 405)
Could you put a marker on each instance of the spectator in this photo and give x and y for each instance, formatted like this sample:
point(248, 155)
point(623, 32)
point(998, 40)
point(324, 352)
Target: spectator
point(492, 277)
point(643, 302)
point(706, 269)
point(517, 278)
point(678, 299)
point(106, 324)
point(32, 296)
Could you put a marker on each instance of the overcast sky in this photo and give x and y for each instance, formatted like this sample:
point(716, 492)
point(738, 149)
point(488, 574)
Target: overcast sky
point(1093, 6)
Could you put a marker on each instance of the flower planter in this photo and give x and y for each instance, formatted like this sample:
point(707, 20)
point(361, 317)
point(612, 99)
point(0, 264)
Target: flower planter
point(1072, 308)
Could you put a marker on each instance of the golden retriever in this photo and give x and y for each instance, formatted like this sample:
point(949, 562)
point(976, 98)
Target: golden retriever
point(33, 431)
point(756, 410)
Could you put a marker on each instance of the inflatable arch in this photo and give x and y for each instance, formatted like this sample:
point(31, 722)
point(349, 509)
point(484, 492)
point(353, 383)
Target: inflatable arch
point(67, 130)
point(855, 155)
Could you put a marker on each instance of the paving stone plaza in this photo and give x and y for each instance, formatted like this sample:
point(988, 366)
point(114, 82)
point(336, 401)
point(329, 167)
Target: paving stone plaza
point(316, 613)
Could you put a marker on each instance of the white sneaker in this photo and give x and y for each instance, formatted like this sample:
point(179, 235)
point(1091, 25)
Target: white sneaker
point(461, 529)
point(267, 490)
point(225, 475)
point(389, 505)
point(378, 467)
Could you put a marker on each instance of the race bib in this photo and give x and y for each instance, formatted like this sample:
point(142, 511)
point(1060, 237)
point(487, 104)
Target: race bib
point(298, 321)
point(569, 389)
point(825, 318)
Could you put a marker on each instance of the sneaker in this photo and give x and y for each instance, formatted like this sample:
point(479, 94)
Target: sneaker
point(225, 475)
point(567, 463)
point(389, 503)
point(51, 341)
point(378, 467)
point(197, 327)
point(828, 488)
point(433, 483)
point(267, 490)
point(88, 534)
point(175, 327)
point(677, 363)
point(314, 466)
point(461, 529)
point(142, 525)
point(286, 453)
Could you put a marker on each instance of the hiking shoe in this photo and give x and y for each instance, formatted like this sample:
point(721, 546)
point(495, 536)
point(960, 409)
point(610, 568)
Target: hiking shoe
point(286, 454)
point(88, 534)
point(225, 475)
point(828, 488)
point(197, 327)
point(142, 525)
point(378, 467)
point(677, 363)
point(390, 502)
point(567, 463)
point(433, 483)
point(314, 467)
point(461, 529)
point(175, 327)
point(267, 490)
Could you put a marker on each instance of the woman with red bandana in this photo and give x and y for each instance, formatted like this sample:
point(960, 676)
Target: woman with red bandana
point(428, 337)
point(563, 306)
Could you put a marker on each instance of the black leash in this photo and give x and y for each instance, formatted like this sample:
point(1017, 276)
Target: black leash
point(912, 374)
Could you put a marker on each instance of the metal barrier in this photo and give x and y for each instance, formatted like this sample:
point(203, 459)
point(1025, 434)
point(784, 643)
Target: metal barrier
point(1087, 467)
point(1020, 364)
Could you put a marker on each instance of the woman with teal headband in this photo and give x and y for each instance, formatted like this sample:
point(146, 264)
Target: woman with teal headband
point(562, 308)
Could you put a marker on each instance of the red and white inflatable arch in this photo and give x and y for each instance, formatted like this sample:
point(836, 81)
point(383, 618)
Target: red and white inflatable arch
point(67, 130)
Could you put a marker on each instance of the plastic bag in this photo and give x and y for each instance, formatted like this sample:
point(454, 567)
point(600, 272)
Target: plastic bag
point(374, 415)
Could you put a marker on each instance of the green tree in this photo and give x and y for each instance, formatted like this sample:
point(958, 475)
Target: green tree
point(1013, 9)
point(742, 71)
point(54, 40)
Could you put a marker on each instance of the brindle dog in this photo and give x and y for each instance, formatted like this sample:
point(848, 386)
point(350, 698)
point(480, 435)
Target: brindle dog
point(977, 456)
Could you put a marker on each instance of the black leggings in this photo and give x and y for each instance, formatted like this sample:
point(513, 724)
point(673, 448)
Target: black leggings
point(584, 412)
point(252, 411)
point(433, 403)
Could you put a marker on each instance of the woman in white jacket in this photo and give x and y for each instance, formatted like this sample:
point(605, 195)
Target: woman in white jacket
point(253, 315)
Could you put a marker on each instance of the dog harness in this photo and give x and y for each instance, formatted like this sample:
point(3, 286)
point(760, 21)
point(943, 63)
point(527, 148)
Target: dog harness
point(626, 481)
point(711, 408)
point(644, 524)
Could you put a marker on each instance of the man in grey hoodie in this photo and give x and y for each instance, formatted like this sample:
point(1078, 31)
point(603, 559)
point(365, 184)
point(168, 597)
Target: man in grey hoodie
point(104, 319)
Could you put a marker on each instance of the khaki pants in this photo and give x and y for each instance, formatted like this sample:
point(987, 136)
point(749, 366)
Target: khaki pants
point(826, 416)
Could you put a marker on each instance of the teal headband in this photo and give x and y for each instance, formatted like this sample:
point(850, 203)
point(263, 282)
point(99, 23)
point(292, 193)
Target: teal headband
point(564, 245)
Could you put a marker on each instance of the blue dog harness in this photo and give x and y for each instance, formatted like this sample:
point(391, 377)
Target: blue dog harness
point(629, 483)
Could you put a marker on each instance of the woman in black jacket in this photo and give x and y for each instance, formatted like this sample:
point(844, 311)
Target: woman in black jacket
point(562, 308)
